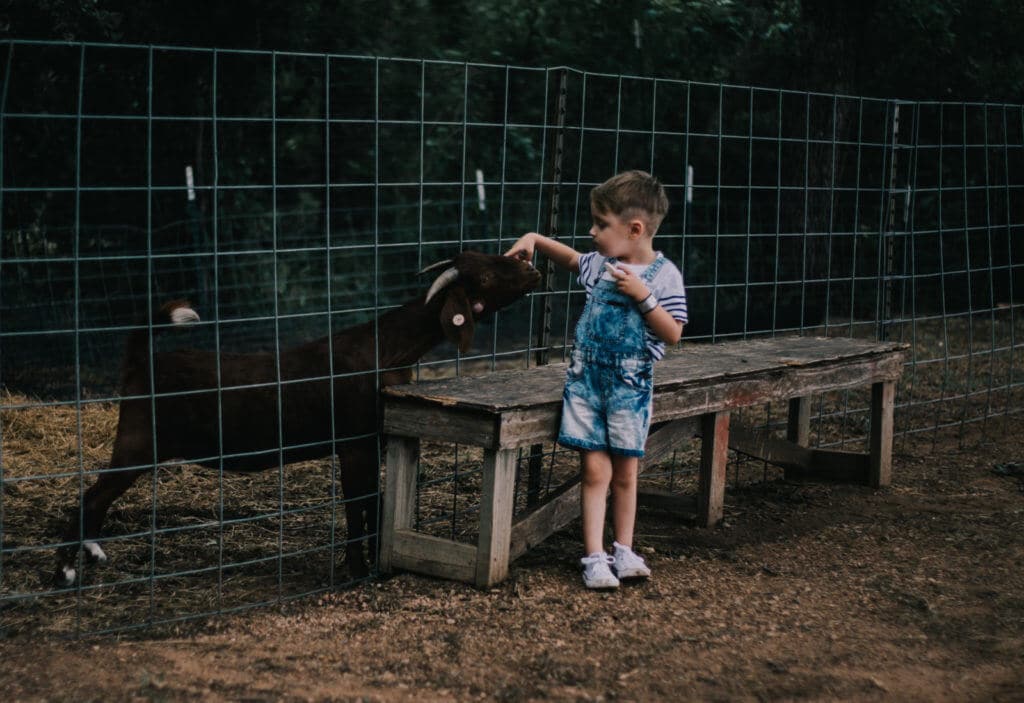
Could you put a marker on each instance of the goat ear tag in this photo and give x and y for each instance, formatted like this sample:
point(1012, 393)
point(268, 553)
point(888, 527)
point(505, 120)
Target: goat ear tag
point(456, 318)
point(478, 307)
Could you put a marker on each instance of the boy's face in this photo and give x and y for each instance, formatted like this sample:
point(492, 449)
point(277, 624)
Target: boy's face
point(614, 236)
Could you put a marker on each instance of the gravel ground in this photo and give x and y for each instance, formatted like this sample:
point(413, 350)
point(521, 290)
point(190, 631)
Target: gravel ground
point(806, 592)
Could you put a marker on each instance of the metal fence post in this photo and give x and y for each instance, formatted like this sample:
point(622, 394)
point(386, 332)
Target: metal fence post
point(887, 248)
point(543, 353)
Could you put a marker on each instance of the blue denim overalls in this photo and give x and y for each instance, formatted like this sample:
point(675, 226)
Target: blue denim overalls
point(606, 404)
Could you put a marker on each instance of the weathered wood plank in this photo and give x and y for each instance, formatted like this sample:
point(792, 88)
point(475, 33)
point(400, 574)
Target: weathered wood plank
point(772, 449)
point(433, 556)
point(713, 454)
point(560, 509)
point(493, 392)
point(520, 427)
point(800, 463)
point(798, 426)
point(798, 421)
point(497, 502)
point(399, 493)
point(883, 397)
point(694, 364)
point(443, 422)
point(673, 400)
point(685, 506)
point(664, 439)
point(839, 466)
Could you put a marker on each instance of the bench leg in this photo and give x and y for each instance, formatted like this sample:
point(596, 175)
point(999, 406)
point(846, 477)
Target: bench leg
point(399, 494)
point(497, 501)
point(714, 451)
point(798, 425)
point(798, 428)
point(883, 396)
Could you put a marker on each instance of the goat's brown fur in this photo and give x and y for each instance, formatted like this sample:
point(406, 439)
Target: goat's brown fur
point(225, 411)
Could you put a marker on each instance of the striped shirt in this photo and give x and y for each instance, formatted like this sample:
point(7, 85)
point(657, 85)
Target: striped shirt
point(667, 287)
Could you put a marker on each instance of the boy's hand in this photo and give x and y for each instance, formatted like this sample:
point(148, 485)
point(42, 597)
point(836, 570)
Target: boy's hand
point(560, 254)
point(524, 247)
point(629, 283)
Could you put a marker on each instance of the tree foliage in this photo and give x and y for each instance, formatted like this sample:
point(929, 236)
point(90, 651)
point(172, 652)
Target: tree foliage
point(915, 49)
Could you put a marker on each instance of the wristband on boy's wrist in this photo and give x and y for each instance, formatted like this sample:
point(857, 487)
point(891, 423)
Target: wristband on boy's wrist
point(647, 304)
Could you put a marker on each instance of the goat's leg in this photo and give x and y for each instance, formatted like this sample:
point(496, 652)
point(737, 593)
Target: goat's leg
point(86, 526)
point(360, 472)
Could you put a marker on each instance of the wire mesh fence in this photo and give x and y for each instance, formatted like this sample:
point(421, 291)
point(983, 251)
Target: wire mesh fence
point(289, 196)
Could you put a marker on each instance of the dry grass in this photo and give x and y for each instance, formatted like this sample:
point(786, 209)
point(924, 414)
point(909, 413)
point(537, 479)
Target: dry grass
point(182, 541)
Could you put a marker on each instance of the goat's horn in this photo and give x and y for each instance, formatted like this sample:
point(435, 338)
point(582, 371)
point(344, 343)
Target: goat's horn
point(434, 267)
point(446, 278)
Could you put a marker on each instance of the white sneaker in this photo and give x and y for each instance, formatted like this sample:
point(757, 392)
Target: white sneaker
point(629, 564)
point(596, 571)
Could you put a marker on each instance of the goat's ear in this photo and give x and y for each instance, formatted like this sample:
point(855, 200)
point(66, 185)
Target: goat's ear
point(457, 318)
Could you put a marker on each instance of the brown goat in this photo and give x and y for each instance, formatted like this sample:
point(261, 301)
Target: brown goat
point(224, 411)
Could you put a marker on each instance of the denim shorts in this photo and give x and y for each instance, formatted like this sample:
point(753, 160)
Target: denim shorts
point(606, 404)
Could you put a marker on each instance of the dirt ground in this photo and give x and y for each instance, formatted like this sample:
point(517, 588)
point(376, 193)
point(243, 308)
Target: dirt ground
point(806, 592)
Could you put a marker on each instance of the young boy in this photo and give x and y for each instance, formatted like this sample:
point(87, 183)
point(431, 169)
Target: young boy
point(636, 304)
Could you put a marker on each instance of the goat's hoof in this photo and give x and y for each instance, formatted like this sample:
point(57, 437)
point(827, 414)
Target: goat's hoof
point(65, 577)
point(357, 569)
point(94, 553)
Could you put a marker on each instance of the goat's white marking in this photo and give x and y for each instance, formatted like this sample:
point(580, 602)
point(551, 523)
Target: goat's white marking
point(95, 551)
point(458, 320)
point(69, 575)
point(184, 316)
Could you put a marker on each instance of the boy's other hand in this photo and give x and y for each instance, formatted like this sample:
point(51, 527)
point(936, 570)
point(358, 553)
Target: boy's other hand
point(629, 283)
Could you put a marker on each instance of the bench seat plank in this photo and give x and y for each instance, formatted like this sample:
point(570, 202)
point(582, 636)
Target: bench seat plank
point(517, 407)
point(502, 391)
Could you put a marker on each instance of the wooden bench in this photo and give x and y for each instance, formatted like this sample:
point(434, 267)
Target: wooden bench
point(696, 387)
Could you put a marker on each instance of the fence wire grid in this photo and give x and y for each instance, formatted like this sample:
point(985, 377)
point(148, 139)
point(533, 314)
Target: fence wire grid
point(289, 196)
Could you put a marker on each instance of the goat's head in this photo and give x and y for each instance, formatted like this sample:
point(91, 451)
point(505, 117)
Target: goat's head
point(475, 285)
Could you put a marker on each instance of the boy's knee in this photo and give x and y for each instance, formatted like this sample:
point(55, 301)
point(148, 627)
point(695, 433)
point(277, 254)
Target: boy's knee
point(624, 480)
point(596, 469)
point(594, 475)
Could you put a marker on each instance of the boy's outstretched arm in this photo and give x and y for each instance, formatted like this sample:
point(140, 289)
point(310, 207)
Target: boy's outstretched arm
point(562, 255)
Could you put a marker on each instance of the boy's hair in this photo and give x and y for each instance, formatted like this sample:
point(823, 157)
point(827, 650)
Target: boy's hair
point(632, 194)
